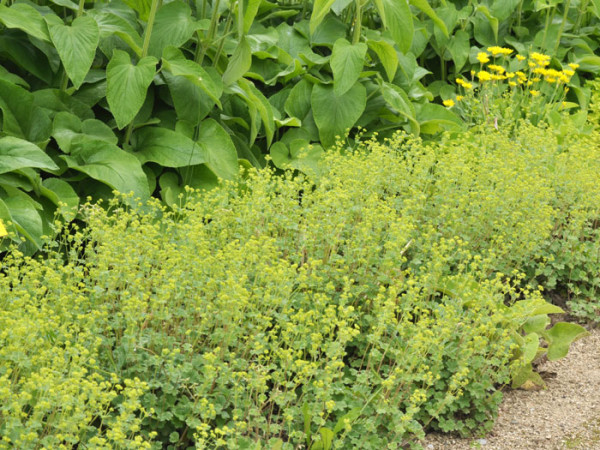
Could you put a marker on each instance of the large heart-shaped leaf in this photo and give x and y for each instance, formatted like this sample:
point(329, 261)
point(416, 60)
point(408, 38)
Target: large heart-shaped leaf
point(127, 85)
point(398, 20)
point(175, 62)
point(108, 164)
point(319, 11)
point(424, 6)
point(23, 213)
point(17, 154)
point(395, 97)
point(335, 114)
point(167, 148)
point(256, 102)
point(346, 62)
point(76, 45)
point(560, 338)
point(62, 195)
point(239, 63)
point(26, 18)
point(435, 118)
point(298, 102)
point(110, 24)
point(221, 155)
point(173, 25)
point(25, 55)
point(20, 118)
point(387, 56)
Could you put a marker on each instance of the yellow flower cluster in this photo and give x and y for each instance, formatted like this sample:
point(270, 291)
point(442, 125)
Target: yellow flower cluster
point(537, 64)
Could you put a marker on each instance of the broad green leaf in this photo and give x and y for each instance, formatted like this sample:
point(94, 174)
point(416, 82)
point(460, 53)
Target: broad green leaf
point(300, 155)
point(167, 148)
point(561, 336)
point(68, 127)
point(424, 6)
point(20, 118)
point(333, 114)
point(255, 99)
point(530, 349)
point(142, 7)
point(398, 20)
point(25, 55)
point(339, 6)
point(76, 45)
point(387, 56)
point(20, 209)
point(67, 4)
point(536, 324)
point(596, 8)
point(503, 10)
point(239, 63)
point(221, 155)
point(491, 21)
point(395, 97)
point(110, 24)
point(127, 85)
point(326, 440)
point(298, 102)
point(346, 62)
point(526, 378)
point(175, 62)
point(108, 164)
point(434, 118)
point(319, 11)
point(329, 31)
point(250, 13)
point(26, 18)
point(173, 25)
point(17, 153)
point(59, 191)
point(459, 48)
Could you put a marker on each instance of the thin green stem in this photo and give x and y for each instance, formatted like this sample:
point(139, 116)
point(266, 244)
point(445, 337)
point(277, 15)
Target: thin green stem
point(214, 20)
point(546, 26)
point(80, 8)
point(357, 22)
point(562, 25)
point(222, 41)
point(147, 33)
point(581, 15)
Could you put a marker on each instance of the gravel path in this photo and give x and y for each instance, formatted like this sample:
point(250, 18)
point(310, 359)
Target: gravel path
point(564, 416)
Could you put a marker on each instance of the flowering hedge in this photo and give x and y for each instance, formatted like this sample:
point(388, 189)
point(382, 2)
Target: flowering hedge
point(382, 294)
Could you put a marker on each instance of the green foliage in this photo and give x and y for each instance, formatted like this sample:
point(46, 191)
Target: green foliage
point(377, 297)
point(212, 78)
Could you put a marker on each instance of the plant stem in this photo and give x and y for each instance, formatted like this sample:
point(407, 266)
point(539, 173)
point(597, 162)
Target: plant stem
point(582, 12)
point(214, 20)
point(80, 9)
point(546, 26)
point(562, 25)
point(222, 41)
point(357, 22)
point(147, 33)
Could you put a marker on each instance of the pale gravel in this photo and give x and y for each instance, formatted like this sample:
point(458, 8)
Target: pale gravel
point(564, 416)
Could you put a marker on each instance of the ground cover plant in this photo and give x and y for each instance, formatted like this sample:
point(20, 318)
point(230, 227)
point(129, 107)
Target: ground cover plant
point(392, 291)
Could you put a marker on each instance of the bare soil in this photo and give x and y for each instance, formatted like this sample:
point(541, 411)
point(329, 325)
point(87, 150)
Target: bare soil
point(566, 415)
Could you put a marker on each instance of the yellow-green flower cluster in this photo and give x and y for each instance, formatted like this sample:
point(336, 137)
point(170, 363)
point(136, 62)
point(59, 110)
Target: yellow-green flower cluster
point(372, 293)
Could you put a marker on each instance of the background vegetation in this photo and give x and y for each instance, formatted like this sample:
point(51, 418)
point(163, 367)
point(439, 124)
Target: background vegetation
point(147, 96)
